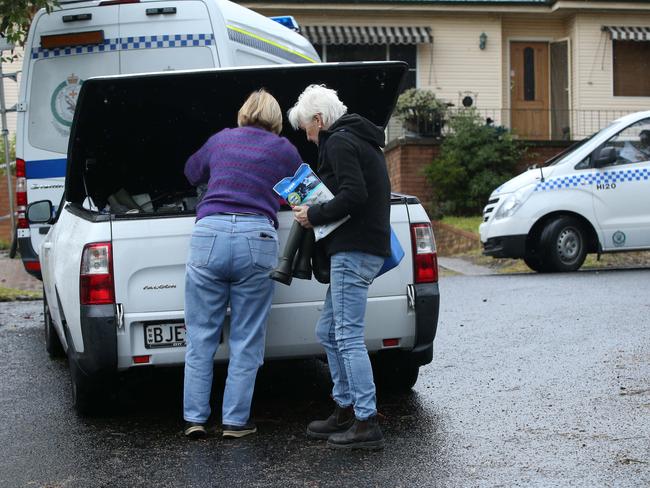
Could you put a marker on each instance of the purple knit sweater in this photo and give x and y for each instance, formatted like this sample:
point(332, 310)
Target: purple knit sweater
point(240, 167)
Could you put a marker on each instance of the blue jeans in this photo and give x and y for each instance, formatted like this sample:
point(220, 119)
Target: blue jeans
point(341, 331)
point(229, 263)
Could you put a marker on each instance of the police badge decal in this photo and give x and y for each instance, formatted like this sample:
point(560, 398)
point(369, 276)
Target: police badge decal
point(64, 102)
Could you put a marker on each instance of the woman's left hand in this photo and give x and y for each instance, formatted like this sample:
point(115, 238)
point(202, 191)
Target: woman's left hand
point(300, 215)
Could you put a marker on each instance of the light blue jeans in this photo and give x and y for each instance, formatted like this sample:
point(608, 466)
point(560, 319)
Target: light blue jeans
point(229, 263)
point(340, 330)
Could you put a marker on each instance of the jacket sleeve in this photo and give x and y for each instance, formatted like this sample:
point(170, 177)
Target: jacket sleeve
point(344, 158)
point(197, 167)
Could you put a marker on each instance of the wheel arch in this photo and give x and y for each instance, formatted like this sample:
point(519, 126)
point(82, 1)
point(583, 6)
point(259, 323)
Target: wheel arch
point(592, 241)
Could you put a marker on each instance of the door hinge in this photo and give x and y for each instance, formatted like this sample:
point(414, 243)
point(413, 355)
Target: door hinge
point(21, 107)
point(120, 315)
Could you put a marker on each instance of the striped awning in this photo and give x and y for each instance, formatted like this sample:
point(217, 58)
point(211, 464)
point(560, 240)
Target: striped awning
point(366, 34)
point(628, 33)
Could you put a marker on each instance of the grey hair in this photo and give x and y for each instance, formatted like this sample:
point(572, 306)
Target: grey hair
point(316, 99)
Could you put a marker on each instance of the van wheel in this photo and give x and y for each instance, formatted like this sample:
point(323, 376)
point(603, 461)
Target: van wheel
point(395, 372)
point(563, 244)
point(535, 261)
point(52, 342)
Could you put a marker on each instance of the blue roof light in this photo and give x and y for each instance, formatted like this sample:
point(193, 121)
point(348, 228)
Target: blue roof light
point(288, 21)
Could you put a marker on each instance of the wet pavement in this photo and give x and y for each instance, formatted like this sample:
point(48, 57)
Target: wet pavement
point(537, 380)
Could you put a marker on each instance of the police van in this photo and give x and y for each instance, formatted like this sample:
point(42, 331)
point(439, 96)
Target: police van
point(593, 198)
point(83, 39)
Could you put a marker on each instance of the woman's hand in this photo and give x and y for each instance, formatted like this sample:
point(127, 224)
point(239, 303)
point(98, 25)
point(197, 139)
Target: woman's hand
point(300, 215)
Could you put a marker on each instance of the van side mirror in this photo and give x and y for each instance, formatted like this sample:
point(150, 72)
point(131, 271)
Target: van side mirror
point(40, 212)
point(605, 157)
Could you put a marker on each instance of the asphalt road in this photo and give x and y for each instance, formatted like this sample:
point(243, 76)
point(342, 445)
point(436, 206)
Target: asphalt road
point(537, 380)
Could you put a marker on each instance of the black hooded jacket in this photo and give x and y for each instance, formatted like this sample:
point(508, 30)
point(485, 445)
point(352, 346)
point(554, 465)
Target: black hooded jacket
point(352, 166)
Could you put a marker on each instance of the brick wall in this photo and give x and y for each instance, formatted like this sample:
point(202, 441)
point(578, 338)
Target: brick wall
point(407, 157)
point(5, 221)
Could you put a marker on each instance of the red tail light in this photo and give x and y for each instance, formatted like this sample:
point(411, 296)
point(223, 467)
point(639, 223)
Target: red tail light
point(425, 260)
point(21, 194)
point(96, 275)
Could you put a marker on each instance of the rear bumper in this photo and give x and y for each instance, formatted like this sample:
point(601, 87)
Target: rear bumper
point(427, 306)
point(505, 246)
point(98, 328)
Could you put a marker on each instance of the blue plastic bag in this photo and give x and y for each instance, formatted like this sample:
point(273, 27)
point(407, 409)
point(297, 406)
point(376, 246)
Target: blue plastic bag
point(396, 254)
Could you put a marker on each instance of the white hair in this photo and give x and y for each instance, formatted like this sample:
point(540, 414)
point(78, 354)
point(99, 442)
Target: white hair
point(316, 99)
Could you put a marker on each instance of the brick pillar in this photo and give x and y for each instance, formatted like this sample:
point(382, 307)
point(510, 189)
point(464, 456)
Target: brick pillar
point(406, 159)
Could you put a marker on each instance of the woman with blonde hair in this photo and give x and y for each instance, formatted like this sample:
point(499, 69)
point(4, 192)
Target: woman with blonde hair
point(233, 248)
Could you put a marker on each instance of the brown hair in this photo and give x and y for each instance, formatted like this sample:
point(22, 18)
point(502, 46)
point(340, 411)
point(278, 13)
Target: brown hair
point(261, 109)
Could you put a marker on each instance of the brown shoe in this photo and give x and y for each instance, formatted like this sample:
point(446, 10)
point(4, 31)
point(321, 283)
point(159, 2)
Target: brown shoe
point(341, 420)
point(364, 434)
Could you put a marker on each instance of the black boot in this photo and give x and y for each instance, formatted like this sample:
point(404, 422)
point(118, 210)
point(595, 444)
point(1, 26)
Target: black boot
point(364, 434)
point(282, 272)
point(340, 421)
point(302, 263)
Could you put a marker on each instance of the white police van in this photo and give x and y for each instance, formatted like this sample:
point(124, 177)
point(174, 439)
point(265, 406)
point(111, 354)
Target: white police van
point(593, 198)
point(114, 259)
point(82, 39)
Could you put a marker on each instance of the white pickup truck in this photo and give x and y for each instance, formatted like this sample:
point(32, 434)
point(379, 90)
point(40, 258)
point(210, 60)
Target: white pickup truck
point(113, 262)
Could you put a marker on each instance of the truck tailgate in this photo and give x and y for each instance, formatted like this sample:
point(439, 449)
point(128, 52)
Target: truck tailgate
point(149, 258)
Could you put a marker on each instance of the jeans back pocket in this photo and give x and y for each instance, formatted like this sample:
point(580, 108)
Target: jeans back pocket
point(201, 245)
point(264, 252)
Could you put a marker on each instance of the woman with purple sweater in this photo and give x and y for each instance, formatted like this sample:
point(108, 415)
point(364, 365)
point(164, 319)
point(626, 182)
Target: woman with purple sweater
point(233, 248)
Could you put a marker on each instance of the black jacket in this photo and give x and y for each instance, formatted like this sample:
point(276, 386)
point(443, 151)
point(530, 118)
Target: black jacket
point(352, 166)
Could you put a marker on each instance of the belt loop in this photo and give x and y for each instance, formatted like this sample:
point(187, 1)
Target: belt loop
point(233, 218)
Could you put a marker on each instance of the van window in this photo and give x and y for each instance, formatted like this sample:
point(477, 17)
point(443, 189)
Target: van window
point(632, 144)
point(53, 95)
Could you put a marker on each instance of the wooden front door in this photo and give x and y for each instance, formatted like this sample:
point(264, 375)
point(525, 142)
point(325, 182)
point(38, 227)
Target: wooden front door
point(529, 89)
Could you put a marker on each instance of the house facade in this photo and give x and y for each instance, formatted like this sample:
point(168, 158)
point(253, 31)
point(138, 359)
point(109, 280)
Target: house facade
point(548, 69)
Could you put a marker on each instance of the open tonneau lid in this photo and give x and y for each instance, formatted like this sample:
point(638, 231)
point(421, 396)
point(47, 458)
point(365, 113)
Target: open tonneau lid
point(147, 125)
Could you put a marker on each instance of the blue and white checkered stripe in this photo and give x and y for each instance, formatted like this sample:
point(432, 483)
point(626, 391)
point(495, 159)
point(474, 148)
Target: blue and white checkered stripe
point(129, 43)
point(177, 40)
point(574, 181)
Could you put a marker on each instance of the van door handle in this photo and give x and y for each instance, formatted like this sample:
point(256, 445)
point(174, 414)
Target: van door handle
point(47, 245)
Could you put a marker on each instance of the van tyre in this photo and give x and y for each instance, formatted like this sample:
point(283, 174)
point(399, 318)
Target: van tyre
point(535, 260)
point(395, 372)
point(563, 244)
point(52, 342)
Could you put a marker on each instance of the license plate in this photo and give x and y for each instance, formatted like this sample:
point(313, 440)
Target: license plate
point(164, 335)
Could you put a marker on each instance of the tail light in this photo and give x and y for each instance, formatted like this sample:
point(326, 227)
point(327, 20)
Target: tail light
point(21, 194)
point(425, 260)
point(96, 275)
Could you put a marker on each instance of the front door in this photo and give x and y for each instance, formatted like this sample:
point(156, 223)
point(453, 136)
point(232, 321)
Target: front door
point(529, 89)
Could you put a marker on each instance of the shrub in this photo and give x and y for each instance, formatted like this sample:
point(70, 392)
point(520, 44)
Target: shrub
point(474, 159)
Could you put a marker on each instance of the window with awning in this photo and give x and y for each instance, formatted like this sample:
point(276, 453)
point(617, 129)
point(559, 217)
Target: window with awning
point(339, 43)
point(336, 35)
point(631, 60)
